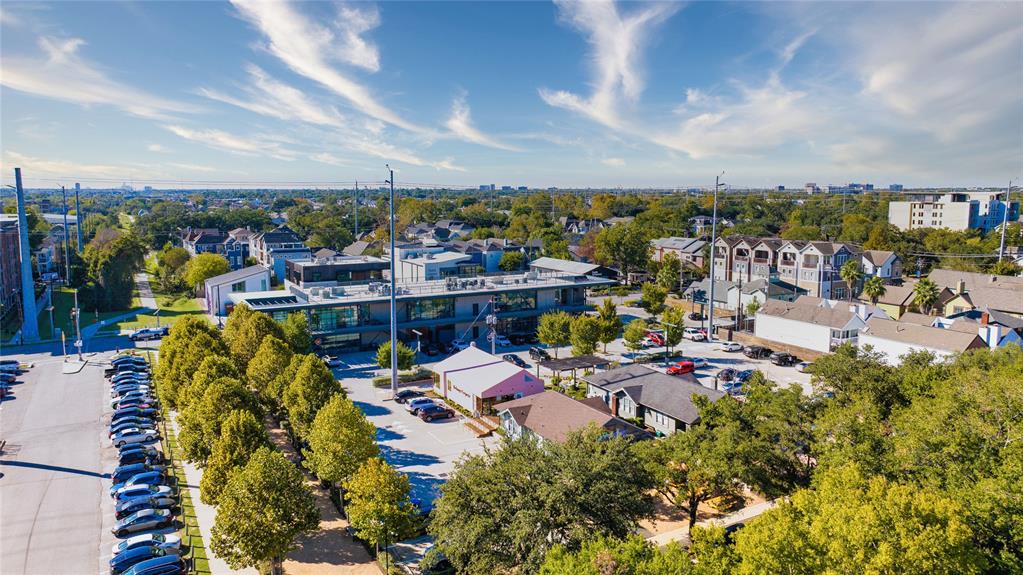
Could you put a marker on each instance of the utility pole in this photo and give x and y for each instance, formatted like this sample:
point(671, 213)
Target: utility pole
point(29, 325)
point(394, 301)
point(713, 250)
point(67, 241)
point(78, 327)
point(78, 218)
point(1005, 220)
point(356, 209)
point(492, 324)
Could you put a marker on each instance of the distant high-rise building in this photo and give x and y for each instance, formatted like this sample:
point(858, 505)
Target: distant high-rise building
point(811, 188)
point(488, 187)
point(868, 187)
point(956, 211)
point(779, 188)
point(523, 188)
point(506, 188)
point(895, 187)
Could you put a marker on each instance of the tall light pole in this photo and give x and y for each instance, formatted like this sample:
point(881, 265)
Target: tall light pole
point(67, 242)
point(356, 206)
point(713, 251)
point(394, 300)
point(1005, 220)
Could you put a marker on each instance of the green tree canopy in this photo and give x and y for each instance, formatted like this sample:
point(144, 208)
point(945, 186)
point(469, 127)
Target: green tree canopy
point(191, 340)
point(652, 300)
point(112, 265)
point(874, 289)
point(263, 508)
point(241, 435)
point(504, 509)
point(512, 261)
point(406, 356)
point(379, 507)
point(925, 294)
point(245, 342)
point(201, 420)
point(673, 322)
point(212, 368)
point(296, 332)
point(341, 439)
point(851, 274)
point(610, 323)
point(585, 334)
point(555, 329)
point(669, 275)
point(203, 267)
point(268, 365)
point(311, 389)
point(635, 331)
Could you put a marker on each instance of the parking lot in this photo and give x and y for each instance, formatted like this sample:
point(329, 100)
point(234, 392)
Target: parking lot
point(426, 452)
point(56, 512)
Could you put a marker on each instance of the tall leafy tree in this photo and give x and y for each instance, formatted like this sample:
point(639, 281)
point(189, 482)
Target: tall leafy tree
point(262, 510)
point(406, 356)
point(669, 275)
point(246, 341)
point(652, 300)
point(311, 389)
point(341, 439)
point(635, 331)
point(610, 323)
point(112, 266)
point(925, 294)
point(296, 332)
point(240, 436)
point(504, 509)
point(191, 340)
point(212, 368)
point(673, 322)
point(585, 334)
point(201, 420)
point(512, 261)
point(555, 329)
point(624, 247)
point(270, 363)
point(851, 274)
point(874, 289)
point(235, 321)
point(203, 267)
point(379, 507)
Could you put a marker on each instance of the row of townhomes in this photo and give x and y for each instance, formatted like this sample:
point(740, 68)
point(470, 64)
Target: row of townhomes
point(972, 311)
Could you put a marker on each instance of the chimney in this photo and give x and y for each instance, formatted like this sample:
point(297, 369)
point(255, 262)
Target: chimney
point(984, 318)
point(961, 286)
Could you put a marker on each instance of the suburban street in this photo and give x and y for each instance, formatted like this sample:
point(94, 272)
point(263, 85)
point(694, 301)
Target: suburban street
point(56, 513)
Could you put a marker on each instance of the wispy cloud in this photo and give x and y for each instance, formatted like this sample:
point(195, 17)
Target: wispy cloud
point(309, 50)
point(269, 97)
point(193, 167)
point(156, 148)
point(63, 74)
point(329, 159)
point(460, 124)
point(616, 42)
point(353, 23)
point(613, 162)
point(249, 146)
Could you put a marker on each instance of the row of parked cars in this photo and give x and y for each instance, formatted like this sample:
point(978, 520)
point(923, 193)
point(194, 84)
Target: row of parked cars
point(423, 407)
point(145, 498)
point(10, 370)
point(730, 379)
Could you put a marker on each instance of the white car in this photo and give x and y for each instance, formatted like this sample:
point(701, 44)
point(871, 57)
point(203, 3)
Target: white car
point(134, 397)
point(334, 362)
point(731, 346)
point(804, 367)
point(502, 341)
point(168, 542)
point(459, 345)
point(133, 435)
point(416, 404)
point(693, 334)
point(698, 362)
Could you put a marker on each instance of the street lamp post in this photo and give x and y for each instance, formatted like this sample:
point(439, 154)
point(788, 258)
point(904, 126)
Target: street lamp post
point(713, 250)
point(394, 301)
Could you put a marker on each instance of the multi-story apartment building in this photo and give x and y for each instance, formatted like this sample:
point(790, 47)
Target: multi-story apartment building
point(688, 250)
point(272, 249)
point(814, 266)
point(333, 271)
point(953, 210)
point(358, 316)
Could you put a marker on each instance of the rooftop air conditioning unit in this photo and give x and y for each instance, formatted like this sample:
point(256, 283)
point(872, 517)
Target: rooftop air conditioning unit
point(315, 291)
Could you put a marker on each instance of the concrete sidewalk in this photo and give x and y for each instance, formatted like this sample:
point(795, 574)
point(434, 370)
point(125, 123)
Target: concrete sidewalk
point(743, 515)
point(145, 291)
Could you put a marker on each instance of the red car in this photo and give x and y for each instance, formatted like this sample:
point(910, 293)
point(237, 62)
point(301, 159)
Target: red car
point(656, 338)
point(682, 367)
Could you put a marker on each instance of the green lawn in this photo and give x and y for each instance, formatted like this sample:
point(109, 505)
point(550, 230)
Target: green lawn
point(189, 532)
point(172, 308)
point(63, 301)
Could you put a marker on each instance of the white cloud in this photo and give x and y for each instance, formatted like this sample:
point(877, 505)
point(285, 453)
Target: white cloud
point(248, 146)
point(156, 148)
point(41, 167)
point(66, 76)
point(308, 49)
point(193, 167)
point(269, 97)
point(330, 159)
point(353, 23)
point(460, 124)
point(613, 162)
point(616, 42)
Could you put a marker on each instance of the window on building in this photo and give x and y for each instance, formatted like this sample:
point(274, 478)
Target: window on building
point(239, 286)
point(515, 301)
point(430, 309)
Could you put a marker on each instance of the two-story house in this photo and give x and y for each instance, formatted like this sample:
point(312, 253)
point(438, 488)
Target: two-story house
point(688, 250)
point(814, 266)
point(271, 249)
point(883, 264)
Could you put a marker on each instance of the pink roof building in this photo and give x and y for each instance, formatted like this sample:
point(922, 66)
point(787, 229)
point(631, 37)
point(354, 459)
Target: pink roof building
point(476, 380)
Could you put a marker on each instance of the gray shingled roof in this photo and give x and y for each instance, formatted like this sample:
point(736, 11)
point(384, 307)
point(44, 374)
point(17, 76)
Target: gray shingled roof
point(667, 394)
point(877, 257)
point(804, 311)
point(931, 337)
point(553, 416)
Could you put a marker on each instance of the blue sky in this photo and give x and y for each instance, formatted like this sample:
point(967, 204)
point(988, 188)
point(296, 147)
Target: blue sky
point(513, 93)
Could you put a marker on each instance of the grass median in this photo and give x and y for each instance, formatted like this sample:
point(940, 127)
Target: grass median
point(190, 535)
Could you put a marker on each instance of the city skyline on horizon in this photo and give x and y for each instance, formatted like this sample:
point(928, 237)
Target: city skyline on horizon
point(594, 95)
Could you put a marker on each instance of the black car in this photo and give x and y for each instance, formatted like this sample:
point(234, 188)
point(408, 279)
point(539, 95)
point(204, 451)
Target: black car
point(782, 358)
point(726, 374)
point(512, 358)
point(431, 349)
point(539, 354)
point(404, 395)
point(697, 316)
point(756, 351)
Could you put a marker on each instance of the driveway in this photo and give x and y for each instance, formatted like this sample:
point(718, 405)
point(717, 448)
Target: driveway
point(56, 513)
point(426, 452)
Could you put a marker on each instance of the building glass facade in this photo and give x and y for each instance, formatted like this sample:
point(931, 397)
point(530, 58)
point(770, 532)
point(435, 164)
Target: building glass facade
point(331, 318)
point(515, 301)
point(439, 308)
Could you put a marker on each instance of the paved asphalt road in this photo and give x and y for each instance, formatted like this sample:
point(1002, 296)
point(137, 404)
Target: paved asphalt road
point(56, 514)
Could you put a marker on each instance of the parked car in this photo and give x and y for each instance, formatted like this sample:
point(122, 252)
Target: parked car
point(804, 367)
point(168, 542)
point(432, 349)
point(733, 388)
point(9, 362)
point(459, 345)
point(782, 358)
point(538, 354)
point(143, 478)
point(404, 395)
point(698, 362)
point(132, 412)
point(142, 491)
point(757, 351)
point(697, 316)
point(693, 334)
point(512, 358)
point(133, 435)
point(134, 396)
point(123, 472)
point(744, 375)
point(431, 412)
point(726, 374)
point(145, 520)
point(681, 368)
point(8, 377)
point(10, 368)
point(502, 341)
point(656, 338)
point(731, 346)
point(334, 362)
point(122, 561)
point(166, 565)
point(413, 406)
point(137, 456)
point(149, 333)
point(134, 505)
point(131, 422)
point(123, 389)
